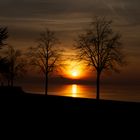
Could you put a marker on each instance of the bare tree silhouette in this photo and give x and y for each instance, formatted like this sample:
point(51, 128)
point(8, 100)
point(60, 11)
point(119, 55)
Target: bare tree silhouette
point(100, 48)
point(46, 55)
point(13, 65)
point(4, 68)
point(3, 35)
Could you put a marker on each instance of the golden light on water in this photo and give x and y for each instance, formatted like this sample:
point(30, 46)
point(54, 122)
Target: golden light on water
point(74, 90)
point(70, 90)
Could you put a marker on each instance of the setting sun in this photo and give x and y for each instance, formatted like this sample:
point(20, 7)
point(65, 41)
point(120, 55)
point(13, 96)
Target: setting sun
point(74, 70)
point(74, 73)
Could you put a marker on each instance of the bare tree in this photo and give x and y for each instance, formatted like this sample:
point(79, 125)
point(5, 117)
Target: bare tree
point(100, 48)
point(4, 69)
point(46, 55)
point(3, 35)
point(14, 65)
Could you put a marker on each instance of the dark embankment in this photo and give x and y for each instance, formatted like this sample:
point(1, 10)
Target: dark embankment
point(64, 114)
point(17, 98)
point(11, 91)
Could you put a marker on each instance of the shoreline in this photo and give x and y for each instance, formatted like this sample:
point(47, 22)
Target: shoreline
point(55, 100)
point(12, 91)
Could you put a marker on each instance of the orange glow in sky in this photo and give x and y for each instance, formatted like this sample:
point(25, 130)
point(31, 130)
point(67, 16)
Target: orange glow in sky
point(74, 70)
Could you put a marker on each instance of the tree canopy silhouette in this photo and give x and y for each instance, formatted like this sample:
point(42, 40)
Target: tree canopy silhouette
point(100, 48)
point(4, 67)
point(3, 35)
point(12, 65)
point(46, 55)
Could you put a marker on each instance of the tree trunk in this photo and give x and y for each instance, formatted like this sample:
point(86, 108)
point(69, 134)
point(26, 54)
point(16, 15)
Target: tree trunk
point(11, 79)
point(12, 74)
point(46, 84)
point(8, 82)
point(12, 82)
point(98, 86)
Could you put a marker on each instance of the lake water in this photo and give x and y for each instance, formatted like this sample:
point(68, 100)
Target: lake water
point(114, 92)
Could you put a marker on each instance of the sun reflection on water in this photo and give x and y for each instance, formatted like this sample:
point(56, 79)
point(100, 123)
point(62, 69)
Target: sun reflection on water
point(74, 90)
point(71, 90)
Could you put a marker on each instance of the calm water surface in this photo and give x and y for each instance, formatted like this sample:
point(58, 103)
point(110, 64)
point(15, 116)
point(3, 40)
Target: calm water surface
point(114, 92)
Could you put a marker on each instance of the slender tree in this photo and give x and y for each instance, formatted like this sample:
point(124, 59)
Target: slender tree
point(3, 35)
point(46, 55)
point(100, 48)
point(14, 65)
point(4, 69)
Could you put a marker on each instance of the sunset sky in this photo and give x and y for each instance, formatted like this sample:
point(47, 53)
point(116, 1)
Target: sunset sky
point(27, 18)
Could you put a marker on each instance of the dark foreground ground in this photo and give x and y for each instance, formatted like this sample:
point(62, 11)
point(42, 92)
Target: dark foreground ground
point(64, 117)
point(56, 113)
point(15, 97)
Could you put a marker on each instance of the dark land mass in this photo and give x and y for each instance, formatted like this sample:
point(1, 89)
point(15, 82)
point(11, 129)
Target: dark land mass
point(65, 116)
point(57, 112)
point(17, 97)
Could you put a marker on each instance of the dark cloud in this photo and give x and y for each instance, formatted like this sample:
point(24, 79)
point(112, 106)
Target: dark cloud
point(128, 10)
point(66, 15)
point(27, 8)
